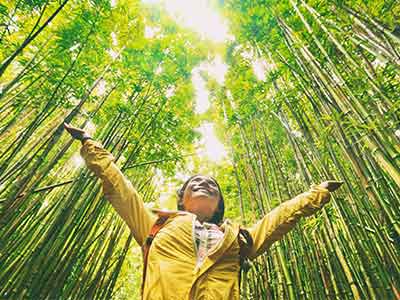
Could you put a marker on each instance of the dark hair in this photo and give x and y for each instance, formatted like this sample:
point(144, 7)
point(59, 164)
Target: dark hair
point(219, 213)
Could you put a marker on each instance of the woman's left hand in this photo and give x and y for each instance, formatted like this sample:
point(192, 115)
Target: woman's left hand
point(331, 185)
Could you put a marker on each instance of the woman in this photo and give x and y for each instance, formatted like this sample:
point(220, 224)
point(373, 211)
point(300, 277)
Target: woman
point(195, 255)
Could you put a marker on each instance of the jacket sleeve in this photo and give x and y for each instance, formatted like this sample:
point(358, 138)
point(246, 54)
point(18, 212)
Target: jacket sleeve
point(118, 190)
point(280, 220)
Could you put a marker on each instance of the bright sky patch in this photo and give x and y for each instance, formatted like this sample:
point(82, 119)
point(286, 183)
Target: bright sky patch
point(214, 150)
point(198, 16)
point(202, 103)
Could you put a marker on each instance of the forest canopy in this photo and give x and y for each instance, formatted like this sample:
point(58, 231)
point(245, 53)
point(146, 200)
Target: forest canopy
point(269, 97)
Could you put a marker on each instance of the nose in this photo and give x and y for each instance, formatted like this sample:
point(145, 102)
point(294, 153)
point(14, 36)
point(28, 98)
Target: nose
point(201, 181)
point(204, 182)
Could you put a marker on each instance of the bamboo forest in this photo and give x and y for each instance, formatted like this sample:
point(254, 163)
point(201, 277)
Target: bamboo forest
point(269, 97)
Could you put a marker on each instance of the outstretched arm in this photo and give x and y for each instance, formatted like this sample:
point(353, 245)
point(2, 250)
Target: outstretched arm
point(273, 226)
point(116, 188)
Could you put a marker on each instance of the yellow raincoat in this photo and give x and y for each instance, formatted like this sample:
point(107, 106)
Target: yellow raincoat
point(171, 271)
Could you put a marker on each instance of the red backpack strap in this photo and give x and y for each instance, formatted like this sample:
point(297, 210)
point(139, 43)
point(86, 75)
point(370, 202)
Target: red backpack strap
point(162, 218)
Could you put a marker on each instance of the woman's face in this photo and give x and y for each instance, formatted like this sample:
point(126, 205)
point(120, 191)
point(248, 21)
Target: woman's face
point(201, 197)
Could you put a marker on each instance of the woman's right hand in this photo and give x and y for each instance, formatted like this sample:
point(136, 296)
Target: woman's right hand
point(76, 133)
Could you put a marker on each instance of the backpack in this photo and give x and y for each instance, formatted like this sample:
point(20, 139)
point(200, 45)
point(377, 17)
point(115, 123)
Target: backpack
point(244, 238)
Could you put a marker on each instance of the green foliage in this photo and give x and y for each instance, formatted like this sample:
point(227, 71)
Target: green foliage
point(93, 66)
point(326, 107)
point(325, 102)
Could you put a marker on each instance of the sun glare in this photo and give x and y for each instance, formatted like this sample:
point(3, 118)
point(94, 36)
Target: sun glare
point(202, 103)
point(217, 70)
point(214, 150)
point(198, 16)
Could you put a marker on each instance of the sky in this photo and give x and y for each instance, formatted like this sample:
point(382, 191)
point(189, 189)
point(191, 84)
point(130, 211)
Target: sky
point(192, 14)
point(199, 16)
